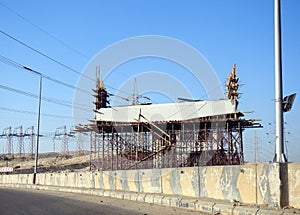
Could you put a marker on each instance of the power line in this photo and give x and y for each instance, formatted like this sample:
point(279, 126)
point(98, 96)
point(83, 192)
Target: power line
point(46, 56)
point(17, 65)
point(21, 67)
point(34, 113)
point(56, 61)
point(44, 31)
point(52, 59)
point(48, 99)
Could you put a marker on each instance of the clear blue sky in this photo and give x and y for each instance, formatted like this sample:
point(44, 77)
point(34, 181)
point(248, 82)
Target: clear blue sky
point(224, 32)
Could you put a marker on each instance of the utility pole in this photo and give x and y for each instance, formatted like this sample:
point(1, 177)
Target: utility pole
point(38, 131)
point(36, 157)
point(279, 148)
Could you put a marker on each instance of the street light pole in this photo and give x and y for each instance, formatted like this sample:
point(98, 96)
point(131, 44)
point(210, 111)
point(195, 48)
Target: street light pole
point(36, 157)
point(38, 130)
point(279, 148)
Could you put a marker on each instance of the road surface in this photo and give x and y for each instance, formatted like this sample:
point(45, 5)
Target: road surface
point(22, 201)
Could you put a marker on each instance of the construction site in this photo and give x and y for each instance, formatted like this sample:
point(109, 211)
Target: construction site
point(142, 135)
point(183, 134)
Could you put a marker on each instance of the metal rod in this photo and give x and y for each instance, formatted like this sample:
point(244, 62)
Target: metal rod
point(112, 148)
point(279, 148)
point(91, 149)
point(103, 140)
point(38, 130)
point(241, 144)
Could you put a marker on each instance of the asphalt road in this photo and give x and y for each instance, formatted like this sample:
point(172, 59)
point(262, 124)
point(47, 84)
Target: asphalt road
point(20, 201)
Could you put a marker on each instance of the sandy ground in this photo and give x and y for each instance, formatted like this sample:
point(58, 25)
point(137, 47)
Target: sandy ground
point(47, 162)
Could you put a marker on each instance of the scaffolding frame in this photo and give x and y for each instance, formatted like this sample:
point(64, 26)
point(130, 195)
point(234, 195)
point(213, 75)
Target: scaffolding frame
point(204, 141)
point(125, 142)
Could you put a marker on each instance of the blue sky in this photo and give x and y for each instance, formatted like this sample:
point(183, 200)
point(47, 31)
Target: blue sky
point(225, 32)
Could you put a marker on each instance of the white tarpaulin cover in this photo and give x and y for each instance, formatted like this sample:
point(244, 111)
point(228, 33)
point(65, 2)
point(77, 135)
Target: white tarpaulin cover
point(166, 112)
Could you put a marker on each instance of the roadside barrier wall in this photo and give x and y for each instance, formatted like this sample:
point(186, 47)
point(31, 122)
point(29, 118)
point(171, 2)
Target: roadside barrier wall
point(293, 186)
point(269, 184)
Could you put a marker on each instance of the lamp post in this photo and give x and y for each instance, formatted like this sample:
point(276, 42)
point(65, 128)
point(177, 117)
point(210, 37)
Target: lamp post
point(38, 131)
point(36, 157)
point(279, 148)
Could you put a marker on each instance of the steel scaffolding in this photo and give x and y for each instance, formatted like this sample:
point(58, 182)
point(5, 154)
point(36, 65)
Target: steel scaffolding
point(128, 143)
point(205, 141)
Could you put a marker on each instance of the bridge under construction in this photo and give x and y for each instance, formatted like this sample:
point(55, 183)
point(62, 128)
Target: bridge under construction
point(188, 133)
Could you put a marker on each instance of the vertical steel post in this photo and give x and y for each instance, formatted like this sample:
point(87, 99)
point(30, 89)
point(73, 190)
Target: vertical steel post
point(241, 144)
point(103, 140)
point(91, 148)
point(38, 130)
point(279, 148)
point(112, 148)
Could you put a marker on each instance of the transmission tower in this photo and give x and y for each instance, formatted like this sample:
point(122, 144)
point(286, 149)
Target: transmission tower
point(9, 145)
point(29, 132)
point(256, 148)
point(18, 132)
point(79, 143)
point(62, 131)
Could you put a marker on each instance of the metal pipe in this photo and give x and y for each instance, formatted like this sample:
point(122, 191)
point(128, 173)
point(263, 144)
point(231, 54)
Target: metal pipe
point(91, 148)
point(38, 130)
point(279, 148)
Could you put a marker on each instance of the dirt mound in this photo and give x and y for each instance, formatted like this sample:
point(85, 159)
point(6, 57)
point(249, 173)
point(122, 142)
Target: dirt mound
point(47, 162)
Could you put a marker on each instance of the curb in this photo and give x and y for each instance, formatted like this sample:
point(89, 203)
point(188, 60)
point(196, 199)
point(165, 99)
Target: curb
point(199, 205)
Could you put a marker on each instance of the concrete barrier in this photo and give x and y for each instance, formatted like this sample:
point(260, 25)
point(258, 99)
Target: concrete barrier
point(293, 186)
point(251, 183)
point(181, 181)
point(126, 180)
point(151, 181)
point(261, 184)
